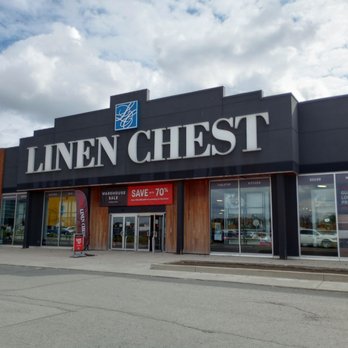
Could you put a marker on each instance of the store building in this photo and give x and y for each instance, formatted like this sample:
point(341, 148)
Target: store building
point(193, 173)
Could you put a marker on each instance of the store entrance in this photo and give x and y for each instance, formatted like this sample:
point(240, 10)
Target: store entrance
point(137, 232)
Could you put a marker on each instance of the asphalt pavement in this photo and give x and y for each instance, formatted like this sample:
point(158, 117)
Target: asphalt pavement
point(316, 274)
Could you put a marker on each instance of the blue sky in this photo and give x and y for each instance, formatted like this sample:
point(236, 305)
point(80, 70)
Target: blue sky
point(62, 57)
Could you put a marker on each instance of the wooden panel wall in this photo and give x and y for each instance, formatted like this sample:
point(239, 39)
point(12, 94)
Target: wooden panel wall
point(196, 217)
point(2, 163)
point(171, 224)
point(99, 222)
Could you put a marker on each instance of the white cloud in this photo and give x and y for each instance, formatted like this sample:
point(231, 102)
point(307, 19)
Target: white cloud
point(65, 57)
point(15, 126)
point(57, 74)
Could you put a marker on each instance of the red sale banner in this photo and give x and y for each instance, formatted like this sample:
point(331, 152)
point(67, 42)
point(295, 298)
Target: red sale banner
point(157, 194)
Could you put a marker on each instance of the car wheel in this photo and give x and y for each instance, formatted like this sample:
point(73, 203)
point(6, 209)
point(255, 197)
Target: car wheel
point(326, 244)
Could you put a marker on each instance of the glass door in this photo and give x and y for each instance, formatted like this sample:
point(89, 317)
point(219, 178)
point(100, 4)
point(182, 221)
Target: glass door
point(137, 232)
point(123, 234)
point(144, 232)
point(158, 230)
point(117, 232)
point(129, 232)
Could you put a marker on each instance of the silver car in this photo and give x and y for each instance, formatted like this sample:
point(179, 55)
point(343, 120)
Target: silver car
point(323, 239)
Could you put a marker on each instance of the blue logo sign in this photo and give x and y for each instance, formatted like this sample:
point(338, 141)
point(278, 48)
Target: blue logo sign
point(126, 115)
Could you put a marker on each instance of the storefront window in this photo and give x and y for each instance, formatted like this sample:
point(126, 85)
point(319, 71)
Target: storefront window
point(342, 210)
point(241, 216)
point(60, 219)
point(317, 214)
point(12, 219)
point(7, 219)
point(255, 215)
point(18, 235)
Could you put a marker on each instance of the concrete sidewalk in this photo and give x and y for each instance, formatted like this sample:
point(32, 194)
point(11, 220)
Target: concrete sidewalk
point(326, 275)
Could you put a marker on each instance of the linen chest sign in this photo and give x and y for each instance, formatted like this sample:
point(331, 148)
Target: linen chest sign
point(181, 142)
point(156, 194)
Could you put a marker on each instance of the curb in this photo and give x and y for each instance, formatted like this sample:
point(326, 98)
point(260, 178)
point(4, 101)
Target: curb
point(303, 275)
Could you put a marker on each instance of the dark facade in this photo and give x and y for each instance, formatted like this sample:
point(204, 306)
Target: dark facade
point(229, 169)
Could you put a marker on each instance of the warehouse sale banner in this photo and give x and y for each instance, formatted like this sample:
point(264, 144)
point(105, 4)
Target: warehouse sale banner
point(114, 197)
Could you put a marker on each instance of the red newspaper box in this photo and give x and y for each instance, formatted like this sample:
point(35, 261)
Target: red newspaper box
point(79, 244)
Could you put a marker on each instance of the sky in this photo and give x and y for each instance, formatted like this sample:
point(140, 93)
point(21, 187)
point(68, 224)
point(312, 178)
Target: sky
point(64, 57)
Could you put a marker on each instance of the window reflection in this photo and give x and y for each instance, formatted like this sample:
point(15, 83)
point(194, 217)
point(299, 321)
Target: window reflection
point(18, 235)
point(225, 216)
point(342, 209)
point(12, 219)
point(68, 218)
point(318, 234)
point(255, 216)
point(241, 216)
point(7, 219)
point(60, 219)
